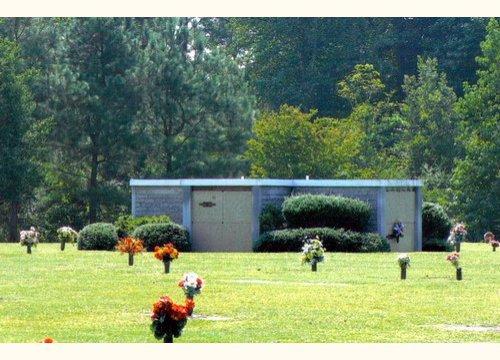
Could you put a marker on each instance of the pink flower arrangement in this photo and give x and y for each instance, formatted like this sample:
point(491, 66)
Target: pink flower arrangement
point(489, 237)
point(454, 258)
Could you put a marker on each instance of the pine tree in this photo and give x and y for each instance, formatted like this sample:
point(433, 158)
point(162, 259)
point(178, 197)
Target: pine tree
point(476, 178)
point(18, 175)
point(197, 109)
point(95, 105)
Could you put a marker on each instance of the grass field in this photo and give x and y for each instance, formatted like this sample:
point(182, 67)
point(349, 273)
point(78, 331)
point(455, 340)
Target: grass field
point(76, 296)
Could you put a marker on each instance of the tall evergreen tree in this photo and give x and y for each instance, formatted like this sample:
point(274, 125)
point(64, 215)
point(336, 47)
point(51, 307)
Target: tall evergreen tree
point(430, 119)
point(476, 178)
point(18, 174)
point(95, 105)
point(197, 109)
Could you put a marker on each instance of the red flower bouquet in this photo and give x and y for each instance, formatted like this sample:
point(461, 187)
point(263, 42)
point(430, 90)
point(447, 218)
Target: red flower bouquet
point(170, 318)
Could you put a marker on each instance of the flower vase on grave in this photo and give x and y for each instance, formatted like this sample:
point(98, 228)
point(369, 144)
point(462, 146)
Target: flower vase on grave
point(314, 265)
point(130, 259)
point(167, 265)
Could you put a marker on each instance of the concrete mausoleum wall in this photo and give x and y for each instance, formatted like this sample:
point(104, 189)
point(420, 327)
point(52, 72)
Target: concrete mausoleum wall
point(390, 200)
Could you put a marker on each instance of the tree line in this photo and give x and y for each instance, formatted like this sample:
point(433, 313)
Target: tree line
point(88, 103)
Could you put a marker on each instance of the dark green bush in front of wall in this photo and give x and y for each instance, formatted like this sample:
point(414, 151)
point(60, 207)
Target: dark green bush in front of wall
point(433, 244)
point(98, 236)
point(161, 234)
point(306, 211)
point(435, 222)
point(436, 227)
point(338, 240)
point(126, 224)
point(271, 218)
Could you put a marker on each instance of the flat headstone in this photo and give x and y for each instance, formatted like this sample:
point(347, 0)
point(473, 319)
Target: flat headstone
point(473, 328)
point(278, 282)
point(210, 317)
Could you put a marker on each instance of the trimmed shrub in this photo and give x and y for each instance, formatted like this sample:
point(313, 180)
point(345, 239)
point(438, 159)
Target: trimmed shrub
point(435, 221)
point(161, 234)
point(433, 244)
point(271, 218)
point(307, 211)
point(126, 224)
point(339, 240)
point(98, 236)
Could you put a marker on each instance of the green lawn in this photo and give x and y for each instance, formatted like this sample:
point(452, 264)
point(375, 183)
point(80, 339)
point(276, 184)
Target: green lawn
point(76, 296)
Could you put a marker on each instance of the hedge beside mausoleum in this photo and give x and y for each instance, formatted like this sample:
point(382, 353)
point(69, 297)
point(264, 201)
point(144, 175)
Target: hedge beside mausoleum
point(161, 234)
point(308, 211)
point(334, 240)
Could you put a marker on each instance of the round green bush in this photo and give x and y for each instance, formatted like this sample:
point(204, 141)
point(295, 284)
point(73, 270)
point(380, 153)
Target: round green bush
point(161, 234)
point(126, 224)
point(435, 222)
point(271, 218)
point(306, 211)
point(98, 236)
point(339, 240)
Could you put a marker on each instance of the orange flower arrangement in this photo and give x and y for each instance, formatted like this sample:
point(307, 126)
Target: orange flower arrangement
point(130, 245)
point(166, 253)
point(48, 340)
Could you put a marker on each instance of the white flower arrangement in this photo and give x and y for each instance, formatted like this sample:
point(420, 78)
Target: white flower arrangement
point(191, 284)
point(313, 251)
point(404, 260)
point(457, 234)
point(67, 234)
point(29, 237)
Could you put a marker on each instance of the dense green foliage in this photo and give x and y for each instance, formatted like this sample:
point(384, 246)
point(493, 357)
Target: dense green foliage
point(291, 144)
point(271, 218)
point(196, 109)
point(430, 119)
point(18, 172)
point(126, 224)
point(299, 61)
point(476, 178)
point(334, 240)
point(161, 234)
point(98, 236)
point(101, 100)
point(310, 210)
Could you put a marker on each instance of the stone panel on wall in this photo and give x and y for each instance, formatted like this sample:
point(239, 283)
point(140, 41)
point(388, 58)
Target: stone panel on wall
point(160, 200)
point(273, 195)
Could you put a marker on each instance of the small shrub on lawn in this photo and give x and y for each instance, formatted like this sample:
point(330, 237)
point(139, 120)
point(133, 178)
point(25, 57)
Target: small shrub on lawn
point(307, 211)
point(271, 218)
point(126, 224)
point(436, 227)
point(161, 234)
point(339, 240)
point(98, 236)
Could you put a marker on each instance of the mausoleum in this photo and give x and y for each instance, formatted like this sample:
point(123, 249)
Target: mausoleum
point(223, 214)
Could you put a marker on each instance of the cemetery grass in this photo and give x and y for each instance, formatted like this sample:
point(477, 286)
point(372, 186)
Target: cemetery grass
point(89, 296)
